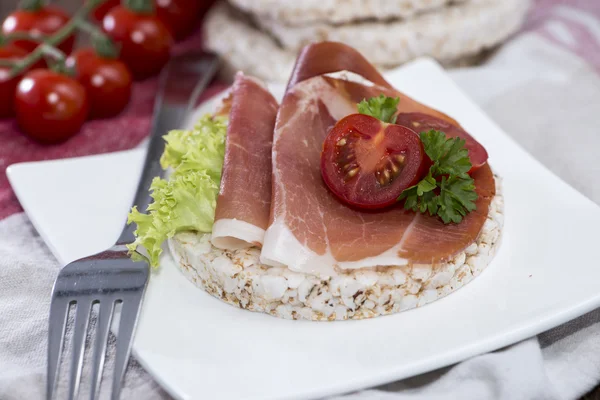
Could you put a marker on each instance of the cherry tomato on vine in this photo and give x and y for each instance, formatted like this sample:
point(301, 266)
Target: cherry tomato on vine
point(144, 39)
point(100, 11)
point(50, 107)
point(420, 122)
point(179, 16)
point(107, 82)
point(39, 20)
point(367, 163)
point(8, 84)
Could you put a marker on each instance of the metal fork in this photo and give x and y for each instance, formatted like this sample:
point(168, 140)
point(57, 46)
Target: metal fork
point(111, 277)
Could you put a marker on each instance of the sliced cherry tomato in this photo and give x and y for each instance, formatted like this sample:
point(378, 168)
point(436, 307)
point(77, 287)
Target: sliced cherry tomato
point(145, 41)
point(180, 16)
point(368, 163)
point(103, 9)
point(39, 22)
point(8, 84)
point(107, 82)
point(50, 107)
point(420, 122)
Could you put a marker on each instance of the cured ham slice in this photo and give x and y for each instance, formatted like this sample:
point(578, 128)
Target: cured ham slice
point(310, 230)
point(327, 57)
point(244, 201)
point(331, 57)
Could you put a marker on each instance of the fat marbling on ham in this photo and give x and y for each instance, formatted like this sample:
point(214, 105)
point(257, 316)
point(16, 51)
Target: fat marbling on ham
point(244, 201)
point(310, 230)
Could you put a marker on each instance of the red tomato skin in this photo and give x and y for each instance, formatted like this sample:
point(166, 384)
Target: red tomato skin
point(362, 190)
point(106, 81)
point(8, 86)
point(145, 41)
point(99, 12)
point(179, 16)
point(43, 22)
point(50, 107)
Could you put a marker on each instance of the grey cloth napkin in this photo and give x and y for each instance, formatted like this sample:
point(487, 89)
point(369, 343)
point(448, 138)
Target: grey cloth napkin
point(27, 272)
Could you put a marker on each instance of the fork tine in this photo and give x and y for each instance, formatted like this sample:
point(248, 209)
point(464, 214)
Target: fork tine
point(105, 312)
point(129, 313)
point(82, 317)
point(56, 331)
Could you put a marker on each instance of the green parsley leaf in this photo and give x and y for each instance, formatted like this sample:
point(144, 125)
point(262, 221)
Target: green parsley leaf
point(447, 191)
point(456, 199)
point(418, 197)
point(435, 144)
point(382, 107)
point(456, 160)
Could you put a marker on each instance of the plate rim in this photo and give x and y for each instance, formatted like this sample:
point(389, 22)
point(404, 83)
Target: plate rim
point(489, 343)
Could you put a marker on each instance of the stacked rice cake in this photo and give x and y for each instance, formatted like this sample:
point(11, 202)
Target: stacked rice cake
point(262, 37)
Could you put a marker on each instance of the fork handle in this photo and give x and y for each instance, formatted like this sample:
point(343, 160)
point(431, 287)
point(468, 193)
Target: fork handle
point(177, 95)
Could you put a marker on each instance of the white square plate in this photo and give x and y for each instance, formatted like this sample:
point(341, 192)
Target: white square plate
point(545, 273)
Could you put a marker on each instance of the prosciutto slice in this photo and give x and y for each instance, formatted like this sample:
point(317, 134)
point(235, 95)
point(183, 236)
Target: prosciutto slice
point(310, 230)
point(244, 201)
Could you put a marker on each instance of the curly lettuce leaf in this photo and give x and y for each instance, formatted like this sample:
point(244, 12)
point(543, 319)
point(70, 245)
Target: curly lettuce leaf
point(185, 202)
point(187, 199)
point(198, 149)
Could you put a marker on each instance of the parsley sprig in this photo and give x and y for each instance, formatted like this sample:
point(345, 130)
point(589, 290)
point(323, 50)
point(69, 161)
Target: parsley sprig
point(447, 191)
point(382, 107)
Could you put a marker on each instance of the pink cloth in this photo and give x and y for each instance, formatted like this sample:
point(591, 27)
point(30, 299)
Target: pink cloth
point(97, 136)
point(577, 17)
point(132, 126)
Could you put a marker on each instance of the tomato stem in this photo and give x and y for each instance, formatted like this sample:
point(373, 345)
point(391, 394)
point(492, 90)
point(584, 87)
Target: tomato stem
point(57, 60)
point(32, 5)
point(20, 36)
point(53, 52)
point(89, 28)
point(139, 6)
point(53, 40)
point(101, 43)
point(93, 4)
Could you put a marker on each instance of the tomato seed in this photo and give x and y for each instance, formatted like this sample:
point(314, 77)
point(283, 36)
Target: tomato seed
point(352, 172)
